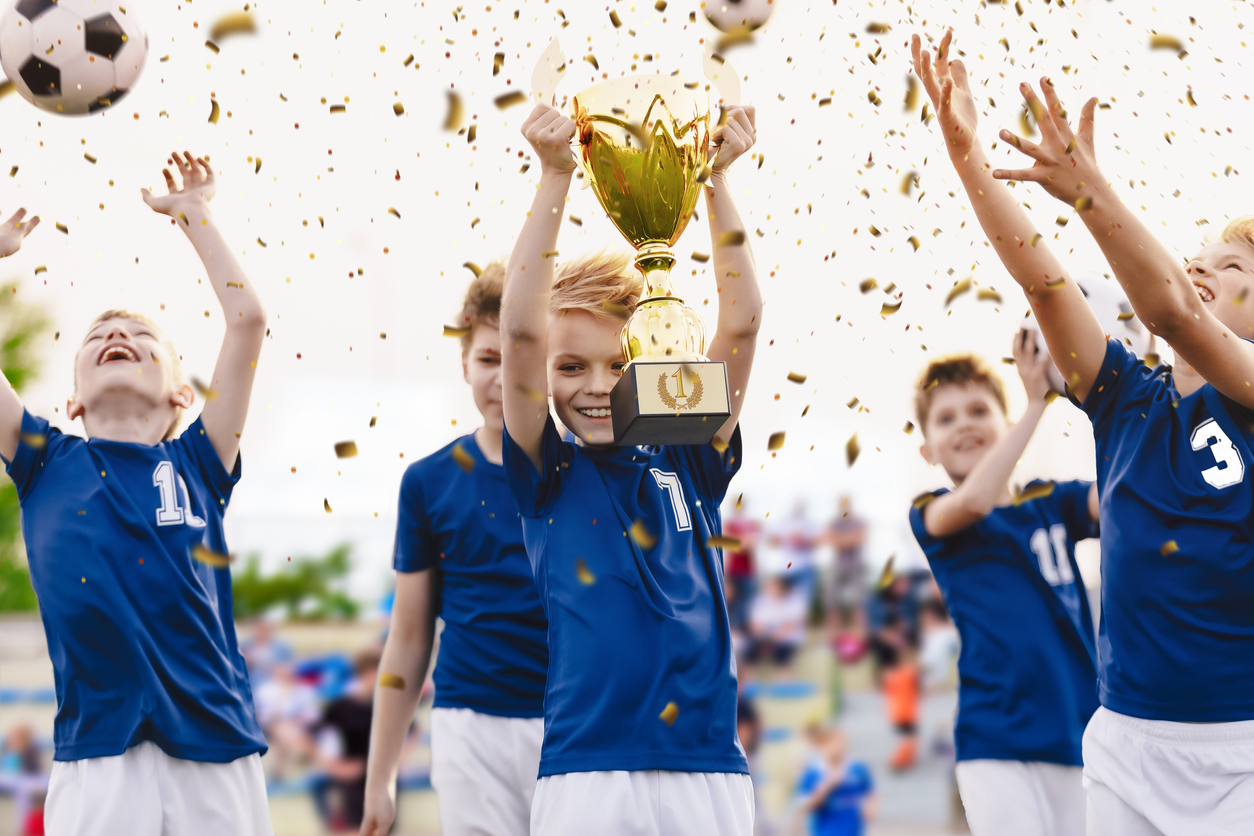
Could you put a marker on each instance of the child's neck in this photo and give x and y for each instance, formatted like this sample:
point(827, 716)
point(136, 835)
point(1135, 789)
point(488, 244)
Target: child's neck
point(1187, 379)
point(136, 427)
point(489, 442)
point(1004, 498)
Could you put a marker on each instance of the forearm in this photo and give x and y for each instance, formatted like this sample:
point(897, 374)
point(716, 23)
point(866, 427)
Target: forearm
point(984, 486)
point(394, 707)
point(735, 272)
point(529, 277)
point(241, 305)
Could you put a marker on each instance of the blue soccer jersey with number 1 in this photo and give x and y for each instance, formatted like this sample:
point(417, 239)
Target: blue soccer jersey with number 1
point(140, 633)
point(641, 673)
point(1176, 640)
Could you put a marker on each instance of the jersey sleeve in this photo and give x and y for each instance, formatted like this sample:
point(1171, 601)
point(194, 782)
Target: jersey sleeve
point(711, 470)
point(38, 443)
point(861, 776)
point(932, 546)
point(809, 781)
point(1073, 505)
point(536, 491)
point(195, 446)
point(416, 549)
point(1123, 384)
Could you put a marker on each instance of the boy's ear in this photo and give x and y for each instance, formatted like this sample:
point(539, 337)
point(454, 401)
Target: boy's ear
point(925, 450)
point(74, 408)
point(182, 396)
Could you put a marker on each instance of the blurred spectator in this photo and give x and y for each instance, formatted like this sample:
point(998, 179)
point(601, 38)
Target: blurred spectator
point(787, 549)
point(777, 623)
point(847, 590)
point(892, 617)
point(22, 774)
point(263, 651)
point(286, 710)
point(739, 568)
point(838, 795)
point(901, 699)
point(749, 732)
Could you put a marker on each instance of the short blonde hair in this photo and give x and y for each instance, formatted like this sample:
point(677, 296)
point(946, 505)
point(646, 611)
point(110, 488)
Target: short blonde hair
point(606, 284)
point(963, 369)
point(176, 367)
point(483, 301)
point(1240, 229)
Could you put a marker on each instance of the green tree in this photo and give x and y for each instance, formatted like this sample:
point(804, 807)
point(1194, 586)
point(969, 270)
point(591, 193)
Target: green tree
point(311, 588)
point(21, 327)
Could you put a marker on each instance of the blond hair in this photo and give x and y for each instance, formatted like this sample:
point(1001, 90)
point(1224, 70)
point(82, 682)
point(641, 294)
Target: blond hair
point(1241, 229)
point(606, 284)
point(175, 366)
point(961, 369)
point(483, 301)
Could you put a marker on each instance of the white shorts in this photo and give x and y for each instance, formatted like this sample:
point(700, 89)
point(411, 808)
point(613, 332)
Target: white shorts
point(648, 803)
point(1022, 798)
point(1157, 778)
point(483, 770)
point(145, 792)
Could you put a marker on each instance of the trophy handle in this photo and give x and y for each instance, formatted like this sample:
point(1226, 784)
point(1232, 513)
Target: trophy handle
point(723, 75)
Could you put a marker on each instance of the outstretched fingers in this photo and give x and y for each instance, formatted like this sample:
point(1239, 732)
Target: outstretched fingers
point(1088, 114)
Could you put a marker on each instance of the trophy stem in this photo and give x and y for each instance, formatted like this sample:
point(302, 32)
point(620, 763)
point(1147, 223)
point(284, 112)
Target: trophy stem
point(655, 260)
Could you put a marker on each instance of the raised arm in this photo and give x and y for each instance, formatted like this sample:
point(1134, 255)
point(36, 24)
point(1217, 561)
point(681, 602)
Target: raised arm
point(403, 670)
point(227, 397)
point(529, 280)
point(740, 300)
point(1160, 290)
point(985, 486)
point(1074, 336)
point(12, 233)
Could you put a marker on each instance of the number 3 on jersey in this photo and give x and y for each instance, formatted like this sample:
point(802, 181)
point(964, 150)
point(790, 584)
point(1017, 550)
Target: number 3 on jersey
point(165, 479)
point(1229, 467)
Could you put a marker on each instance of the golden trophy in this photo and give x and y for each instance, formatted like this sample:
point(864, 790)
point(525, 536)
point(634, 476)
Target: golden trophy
point(643, 144)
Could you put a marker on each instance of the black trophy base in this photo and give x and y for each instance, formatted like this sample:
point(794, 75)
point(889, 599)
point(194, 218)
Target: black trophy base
point(660, 403)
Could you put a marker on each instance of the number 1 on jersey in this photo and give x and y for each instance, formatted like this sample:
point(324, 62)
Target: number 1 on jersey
point(166, 481)
point(1052, 554)
point(669, 482)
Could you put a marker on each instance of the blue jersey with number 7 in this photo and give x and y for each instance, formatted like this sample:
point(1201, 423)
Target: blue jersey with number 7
point(1176, 641)
point(641, 673)
point(140, 631)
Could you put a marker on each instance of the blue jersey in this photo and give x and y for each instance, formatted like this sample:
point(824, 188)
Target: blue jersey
point(141, 633)
point(641, 672)
point(464, 524)
point(1027, 683)
point(841, 812)
point(1176, 640)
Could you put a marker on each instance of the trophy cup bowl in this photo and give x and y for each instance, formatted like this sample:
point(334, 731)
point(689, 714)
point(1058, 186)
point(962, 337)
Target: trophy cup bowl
point(643, 144)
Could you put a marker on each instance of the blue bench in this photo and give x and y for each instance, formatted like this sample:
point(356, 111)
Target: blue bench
point(42, 696)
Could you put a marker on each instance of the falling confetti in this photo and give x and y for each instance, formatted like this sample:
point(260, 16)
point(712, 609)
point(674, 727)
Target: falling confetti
point(581, 571)
point(988, 295)
point(669, 714)
point(888, 308)
point(887, 576)
point(345, 449)
point(214, 112)
point(453, 119)
point(398, 109)
point(793, 377)
point(1169, 547)
point(206, 392)
point(208, 556)
point(642, 536)
point(923, 499)
point(464, 460)
point(1038, 491)
point(718, 541)
point(236, 23)
point(867, 285)
point(1166, 42)
point(776, 441)
point(474, 268)
point(510, 99)
point(6, 87)
point(391, 680)
point(453, 331)
point(733, 238)
point(959, 288)
point(908, 428)
point(34, 440)
point(326, 505)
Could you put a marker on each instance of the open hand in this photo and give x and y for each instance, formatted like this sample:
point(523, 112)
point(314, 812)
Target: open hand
point(13, 231)
point(736, 137)
point(550, 131)
point(1066, 162)
point(946, 84)
point(1033, 366)
point(199, 184)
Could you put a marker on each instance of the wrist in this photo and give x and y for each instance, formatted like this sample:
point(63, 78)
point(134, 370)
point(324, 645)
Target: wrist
point(551, 176)
point(971, 161)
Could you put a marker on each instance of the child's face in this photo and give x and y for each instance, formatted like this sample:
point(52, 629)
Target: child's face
point(1223, 274)
point(481, 366)
point(964, 421)
point(834, 747)
point(122, 360)
point(585, 361)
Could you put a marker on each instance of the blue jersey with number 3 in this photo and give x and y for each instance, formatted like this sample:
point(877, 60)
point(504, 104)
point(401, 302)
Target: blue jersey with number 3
point(641, 672)
point(1176, 640)
point(141, 634)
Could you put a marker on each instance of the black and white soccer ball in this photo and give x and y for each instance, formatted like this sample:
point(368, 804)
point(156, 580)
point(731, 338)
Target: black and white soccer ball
point(729, 15)
point(72, 57)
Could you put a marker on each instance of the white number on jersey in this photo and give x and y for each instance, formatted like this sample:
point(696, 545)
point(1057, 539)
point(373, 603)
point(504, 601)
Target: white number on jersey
point(165, 480)
point(1229, 467)
point(1051, 553)
point(669, 482)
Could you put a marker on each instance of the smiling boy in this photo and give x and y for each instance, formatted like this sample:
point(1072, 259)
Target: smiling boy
point(155, 729)
point(640, 701)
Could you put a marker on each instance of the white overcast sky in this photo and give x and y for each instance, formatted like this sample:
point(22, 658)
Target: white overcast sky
point(327, 370)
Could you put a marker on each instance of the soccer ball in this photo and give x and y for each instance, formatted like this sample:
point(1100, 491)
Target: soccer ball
point(727, 15)
point(72, 57)
point(1113, 312)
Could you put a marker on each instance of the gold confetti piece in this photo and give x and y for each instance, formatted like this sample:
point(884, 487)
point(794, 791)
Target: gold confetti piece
point(888, 308)
point(259, 241)
point(581, 571)
point(914, 242)
point(398, 108)
point(63, 228)
point(575, 220)
point(700, 258)
point(510, 99)
point(236, 23)
point(1036, 237)
point(1151, 359)
point(34, 440)
point(852, 403)
point(391, 680)
point(1170, 547)
point(988, 295)
point(614, 19)
point(793, 377)
point(592, 59)
point(718, 541)
point(182, 217)
point(214, 112)
point(959, 288)
point(642, 536)
point(6, 87)
point(464, 460)
point(208, 556)
point(734, 238)
point(1125, 316)
point(871, 229)
point(669, 714)
point(887, 576)
point(1084, 203)
point(923, 499)
point(549, 254)
point(346, 449)
point(453, 119)
point(326, 506)
point(212, 47)
point(912, 93)
point(408, 60)
point(41, 269)
point(13, 171)
point(206, 392)
point(1061, 221)
point(455, 331)
point(615, 309)
point(878, 28)
point(735, 36)
point(473, 223)
point(339, 108)
point(474, 268)
point(907, 182)
point(776, 441)
point(374, 419)
point(867, 285)
point(720, 445)
point(1034, 492)
point(852, 449)
point(394, 213)
point(908, 428)
point(1056, 283)
point(89, 158)
point(660, 5)
point(1166, 42)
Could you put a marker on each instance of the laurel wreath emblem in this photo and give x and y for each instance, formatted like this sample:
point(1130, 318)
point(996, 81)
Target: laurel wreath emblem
point(672, 402)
